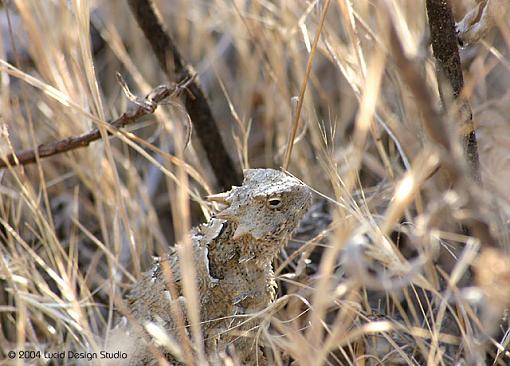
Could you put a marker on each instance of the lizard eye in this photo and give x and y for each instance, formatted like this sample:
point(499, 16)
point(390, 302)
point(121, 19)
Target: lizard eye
point(274, 202)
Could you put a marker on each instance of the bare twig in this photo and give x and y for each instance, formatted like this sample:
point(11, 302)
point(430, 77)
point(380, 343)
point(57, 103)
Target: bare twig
point(145, 106)
point(436, 129)
point(196, 103)
point(446, 52)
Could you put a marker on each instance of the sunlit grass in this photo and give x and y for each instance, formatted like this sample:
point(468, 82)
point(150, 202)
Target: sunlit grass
point(386, 276)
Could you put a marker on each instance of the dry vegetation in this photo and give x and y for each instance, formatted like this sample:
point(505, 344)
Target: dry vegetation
point(404, 257)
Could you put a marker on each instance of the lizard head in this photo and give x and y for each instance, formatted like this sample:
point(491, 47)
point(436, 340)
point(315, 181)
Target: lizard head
point(268, 205)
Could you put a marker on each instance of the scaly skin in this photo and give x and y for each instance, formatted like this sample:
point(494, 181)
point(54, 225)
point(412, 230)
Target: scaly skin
point(233, 256)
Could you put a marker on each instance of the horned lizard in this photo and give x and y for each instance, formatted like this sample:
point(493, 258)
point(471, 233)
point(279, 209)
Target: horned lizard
point(233, 256)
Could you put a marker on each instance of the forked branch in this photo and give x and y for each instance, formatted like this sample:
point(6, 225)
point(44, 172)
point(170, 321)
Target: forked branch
point(144, 106)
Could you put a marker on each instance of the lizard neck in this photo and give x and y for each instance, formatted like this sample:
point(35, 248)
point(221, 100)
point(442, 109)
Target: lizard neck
point(243, 269)
point(243, 254)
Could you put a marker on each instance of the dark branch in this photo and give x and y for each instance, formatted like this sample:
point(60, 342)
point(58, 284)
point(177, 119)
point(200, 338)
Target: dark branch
point(196, 103)
point(144, 107)
point(446, 52)
point(436, 129)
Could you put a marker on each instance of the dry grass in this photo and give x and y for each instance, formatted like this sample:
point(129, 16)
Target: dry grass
point(380, 273)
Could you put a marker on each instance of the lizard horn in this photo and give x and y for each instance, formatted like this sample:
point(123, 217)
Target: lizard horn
point(220, 198)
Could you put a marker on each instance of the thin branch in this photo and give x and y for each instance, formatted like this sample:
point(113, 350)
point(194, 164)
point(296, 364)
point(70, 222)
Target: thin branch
point(449, 70)
point(196, 103)
point(144, 106)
